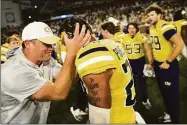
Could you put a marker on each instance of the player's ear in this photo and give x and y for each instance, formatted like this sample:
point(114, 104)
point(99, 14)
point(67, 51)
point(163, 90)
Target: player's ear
point(106, 31)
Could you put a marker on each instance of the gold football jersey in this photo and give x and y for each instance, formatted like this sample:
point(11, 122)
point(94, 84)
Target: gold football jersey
point(134, 47)
point(159, 38)
point(118, 37)
point(97, 57)
point(4, 49)
point(178, 24)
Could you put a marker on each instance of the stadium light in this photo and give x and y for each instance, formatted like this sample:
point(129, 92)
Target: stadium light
point(62, 16)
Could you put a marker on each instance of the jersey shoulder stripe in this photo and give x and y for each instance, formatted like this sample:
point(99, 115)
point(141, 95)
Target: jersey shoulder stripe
point(168, 30)
point(166, 27)
point(184, 23)
point(95, 60)
point(168, 34)
point(92, 51)
point(96, 57)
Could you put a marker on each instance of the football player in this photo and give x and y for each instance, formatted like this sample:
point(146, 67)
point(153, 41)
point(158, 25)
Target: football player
point(110, 31)
point(106, 74)
point(135, 45)
point(166, 45)
point(181, 25)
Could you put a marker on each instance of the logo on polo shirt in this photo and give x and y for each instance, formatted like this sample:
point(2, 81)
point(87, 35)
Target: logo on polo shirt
point(167, 83)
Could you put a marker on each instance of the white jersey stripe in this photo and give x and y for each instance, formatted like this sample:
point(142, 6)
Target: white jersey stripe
point(184, 23)
point(165, 27)
point(95, 60)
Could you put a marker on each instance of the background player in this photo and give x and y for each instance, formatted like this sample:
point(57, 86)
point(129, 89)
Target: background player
point(110, 31)
point(167, 45)
point(180, 22)
point(135, 45)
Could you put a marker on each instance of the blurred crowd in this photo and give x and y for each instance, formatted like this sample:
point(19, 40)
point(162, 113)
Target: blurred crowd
point(122, 15)
point(125, 13)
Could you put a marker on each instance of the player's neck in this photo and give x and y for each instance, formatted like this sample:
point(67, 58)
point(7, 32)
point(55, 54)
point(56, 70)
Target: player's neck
point(110, 36)
point(156, 23)
point(132, 35)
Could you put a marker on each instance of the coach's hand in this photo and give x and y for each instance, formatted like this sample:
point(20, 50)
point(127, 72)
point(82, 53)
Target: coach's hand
point(164, 65)
point(79, 39)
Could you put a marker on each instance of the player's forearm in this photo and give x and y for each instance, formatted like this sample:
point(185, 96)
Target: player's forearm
point(176, 51)
point(149, 54)
point(65, 78)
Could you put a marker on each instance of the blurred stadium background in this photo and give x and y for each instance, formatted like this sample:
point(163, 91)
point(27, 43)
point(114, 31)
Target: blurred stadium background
point(15, 14)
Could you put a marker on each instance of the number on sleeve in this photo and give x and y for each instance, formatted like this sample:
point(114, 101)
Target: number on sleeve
point(130, 99)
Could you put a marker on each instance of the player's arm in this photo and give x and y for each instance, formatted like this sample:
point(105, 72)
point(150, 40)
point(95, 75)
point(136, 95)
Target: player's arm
point(99, 88)
point(148, 51)
point(60, 89)
point(149, 55)
point(172, 35)
point(93, 63)
point(184, 34)
point(178, 42)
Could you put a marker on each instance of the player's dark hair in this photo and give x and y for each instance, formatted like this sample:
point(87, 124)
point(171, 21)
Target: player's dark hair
point(135, 25)
point(178, 15)
point(68, 26)
point(11, 32)
point(109, 26)
point(23, 44)
point(155, 8)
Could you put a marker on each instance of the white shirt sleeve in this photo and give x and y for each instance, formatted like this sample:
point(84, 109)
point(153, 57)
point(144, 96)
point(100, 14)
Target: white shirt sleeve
point(22, 84)
point(51, 69)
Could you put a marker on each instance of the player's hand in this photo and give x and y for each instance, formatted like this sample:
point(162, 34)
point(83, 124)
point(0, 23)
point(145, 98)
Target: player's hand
point(164, 65)
point(148, 67)
point(79, 39)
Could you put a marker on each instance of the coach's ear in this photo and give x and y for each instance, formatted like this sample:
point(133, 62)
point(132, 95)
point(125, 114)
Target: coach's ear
point(26, 44)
